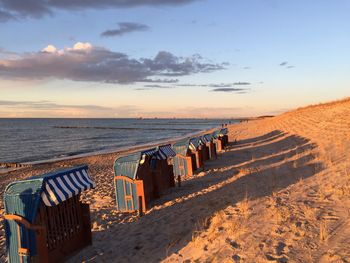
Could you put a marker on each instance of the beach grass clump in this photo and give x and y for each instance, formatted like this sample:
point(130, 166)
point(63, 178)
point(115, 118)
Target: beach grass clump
point(323, 231)
point(243, 207)
point(200, 227)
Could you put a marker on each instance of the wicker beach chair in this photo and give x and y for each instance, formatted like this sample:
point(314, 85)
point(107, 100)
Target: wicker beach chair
point(45, 220)
point(208, 139)
point(142, 177)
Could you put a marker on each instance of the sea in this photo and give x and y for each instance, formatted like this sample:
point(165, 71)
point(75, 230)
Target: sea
point(32, 140)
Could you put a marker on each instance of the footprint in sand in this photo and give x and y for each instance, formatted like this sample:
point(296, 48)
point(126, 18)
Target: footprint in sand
point(236, 258)
point(233, 243)
point(276, 251)
point(271, 257)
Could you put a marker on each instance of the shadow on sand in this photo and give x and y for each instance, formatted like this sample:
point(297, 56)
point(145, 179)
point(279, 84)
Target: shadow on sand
point(167, 230)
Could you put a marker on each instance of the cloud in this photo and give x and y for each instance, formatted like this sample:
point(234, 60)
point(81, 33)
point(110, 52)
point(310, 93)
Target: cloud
point(188, 85)
point(5, 16)
point(167, 64)
point(242, 83)
point(124, 28)
point(222, 87)
point(48, 109)
point(283, 63)
point(217, 85)
point(142, 89)
point(202, 112)
point(158, 86)
point(52, 109)
point(160, 80)
point(49, 49)
point(154, 86)
point(85, 62)
point(40, 8)
point(47, 105)
point(226, 85)
point(236, 90)
point(5, 54)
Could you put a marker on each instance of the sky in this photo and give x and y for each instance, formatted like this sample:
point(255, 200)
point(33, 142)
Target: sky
point(171, 58)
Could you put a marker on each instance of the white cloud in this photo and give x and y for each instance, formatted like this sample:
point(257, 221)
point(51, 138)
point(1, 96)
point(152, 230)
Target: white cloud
point(50, 49)
point(82, 46)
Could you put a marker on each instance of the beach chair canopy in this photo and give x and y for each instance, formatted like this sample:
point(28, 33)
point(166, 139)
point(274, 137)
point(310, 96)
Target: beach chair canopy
point(216, 134)
point(162, 152)
point(128, 165)
point(207, 138)
point(219, 133)
point(195, 143)
point(223, 131)
point(181, 147)
point(165, 152)
point(24, 197)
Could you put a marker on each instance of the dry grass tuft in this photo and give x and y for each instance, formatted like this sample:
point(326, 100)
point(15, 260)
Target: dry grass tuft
point(233, 226)
point(171, 245)
point(323, 231)
point(301, 181)
point(344, 190)
point(216, 224)
point(243, 207)
point(347, 171)
point(274, 181)
point(200, 227)
point(295, 164)
point(219, 256)
point(320, 105)
point(253, 159)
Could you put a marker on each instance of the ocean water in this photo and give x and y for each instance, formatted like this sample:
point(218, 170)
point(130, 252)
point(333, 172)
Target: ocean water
point(27, 140)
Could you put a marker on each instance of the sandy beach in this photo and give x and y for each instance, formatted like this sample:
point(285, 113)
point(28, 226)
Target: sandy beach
point(281, 193)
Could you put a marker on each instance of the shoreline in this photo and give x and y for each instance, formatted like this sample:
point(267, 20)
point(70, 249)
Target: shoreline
point(14, 166)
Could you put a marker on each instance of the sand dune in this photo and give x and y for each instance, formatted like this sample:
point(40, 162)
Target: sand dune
point(280, 194)
point(290, 199)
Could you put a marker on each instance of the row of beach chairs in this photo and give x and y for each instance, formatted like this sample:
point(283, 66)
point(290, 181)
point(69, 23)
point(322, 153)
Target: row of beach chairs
point(46, 221)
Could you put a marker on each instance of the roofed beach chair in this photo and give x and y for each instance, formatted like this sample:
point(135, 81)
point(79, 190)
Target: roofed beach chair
point(224, 136)
point(220, 139)
point(185, 160)
point(189, 156)
point(196, 147)
point(164, 168)
point(208, 139)
point(142, 177)
point(45, 220)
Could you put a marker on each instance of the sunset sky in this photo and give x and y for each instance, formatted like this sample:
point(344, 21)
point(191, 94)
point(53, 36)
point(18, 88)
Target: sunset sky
point(171, 58)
